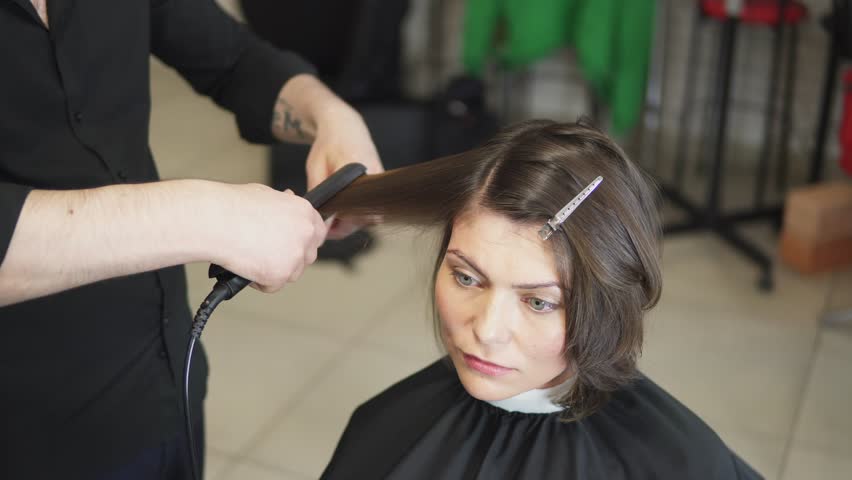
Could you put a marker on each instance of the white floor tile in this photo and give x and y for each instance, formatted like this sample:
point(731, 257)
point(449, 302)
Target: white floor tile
point(826, 419)
point(408, 327)
point(814, 464)
point(253, 471)
point(167, 84)
point(255, 369)
point(214, 464)
point(305, 438)
point(762, 453)
point(734, 372)
point(328, 298)
point(230, 162)
point(841, 290)
point(701, 272)
point(187, 131)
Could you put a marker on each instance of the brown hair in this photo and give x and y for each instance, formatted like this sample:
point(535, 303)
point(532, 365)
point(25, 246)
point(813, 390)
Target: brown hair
point(607, 252)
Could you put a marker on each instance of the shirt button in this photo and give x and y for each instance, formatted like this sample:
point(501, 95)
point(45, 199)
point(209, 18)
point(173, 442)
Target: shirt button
point(121, 175)
point(162, 354)
point(165, 320)
point(78, 117)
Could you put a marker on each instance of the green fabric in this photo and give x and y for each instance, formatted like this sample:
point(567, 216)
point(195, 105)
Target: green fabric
point(613, 40)
point(531, 29)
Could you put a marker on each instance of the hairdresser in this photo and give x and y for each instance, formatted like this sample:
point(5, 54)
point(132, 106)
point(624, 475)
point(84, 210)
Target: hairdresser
point(94, 317)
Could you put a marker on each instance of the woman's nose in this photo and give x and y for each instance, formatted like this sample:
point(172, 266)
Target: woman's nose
point(491, 322)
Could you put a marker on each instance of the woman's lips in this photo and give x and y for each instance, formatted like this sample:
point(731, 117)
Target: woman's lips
point(487, 368)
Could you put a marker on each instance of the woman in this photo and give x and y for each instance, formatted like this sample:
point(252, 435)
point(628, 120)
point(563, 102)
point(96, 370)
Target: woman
point(541, 318)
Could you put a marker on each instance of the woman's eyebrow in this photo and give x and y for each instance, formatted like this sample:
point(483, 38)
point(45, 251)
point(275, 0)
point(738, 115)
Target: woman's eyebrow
point(469, 262)
point(521, 286)
point(533, 286)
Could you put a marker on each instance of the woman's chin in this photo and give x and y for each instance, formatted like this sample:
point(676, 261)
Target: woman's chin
point(484, 388)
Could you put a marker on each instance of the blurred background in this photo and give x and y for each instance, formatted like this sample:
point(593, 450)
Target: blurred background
point(744, 120)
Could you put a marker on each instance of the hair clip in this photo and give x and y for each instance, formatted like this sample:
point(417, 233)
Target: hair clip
point(547, 230)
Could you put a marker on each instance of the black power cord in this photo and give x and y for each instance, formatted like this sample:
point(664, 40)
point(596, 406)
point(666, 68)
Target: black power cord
point(220, 293)
point(229, 284)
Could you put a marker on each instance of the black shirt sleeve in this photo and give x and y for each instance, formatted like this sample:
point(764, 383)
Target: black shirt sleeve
point(12, 197)
point(223, 60)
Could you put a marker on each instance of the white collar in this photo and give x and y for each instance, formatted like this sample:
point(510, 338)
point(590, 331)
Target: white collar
point(538, 400)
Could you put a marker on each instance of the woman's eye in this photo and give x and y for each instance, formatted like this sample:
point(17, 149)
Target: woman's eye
point(540, 305)
point(464, 280)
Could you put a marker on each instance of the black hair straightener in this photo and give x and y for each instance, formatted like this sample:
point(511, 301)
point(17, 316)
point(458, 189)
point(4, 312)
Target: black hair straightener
point(229, 284)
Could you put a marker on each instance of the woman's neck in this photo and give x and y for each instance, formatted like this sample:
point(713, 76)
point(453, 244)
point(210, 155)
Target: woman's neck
point(539, 400)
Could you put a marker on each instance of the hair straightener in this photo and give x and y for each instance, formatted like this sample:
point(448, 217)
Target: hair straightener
point(229, 284)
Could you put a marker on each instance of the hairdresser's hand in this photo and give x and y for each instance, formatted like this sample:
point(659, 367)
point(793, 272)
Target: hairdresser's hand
point(270, 236)
point(341, 138)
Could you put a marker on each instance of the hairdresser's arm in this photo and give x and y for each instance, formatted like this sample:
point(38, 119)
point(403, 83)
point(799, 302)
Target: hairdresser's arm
point(64, 239)
point(248, 76)
point(307, 111)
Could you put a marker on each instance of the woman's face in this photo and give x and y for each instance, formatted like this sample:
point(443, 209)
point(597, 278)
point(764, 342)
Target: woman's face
point(500, 306)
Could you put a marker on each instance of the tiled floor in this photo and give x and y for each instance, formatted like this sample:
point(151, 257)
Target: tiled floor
point(288, 369)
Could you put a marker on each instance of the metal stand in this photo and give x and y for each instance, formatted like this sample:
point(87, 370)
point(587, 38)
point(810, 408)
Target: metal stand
point(828, 88)
point(709, 217)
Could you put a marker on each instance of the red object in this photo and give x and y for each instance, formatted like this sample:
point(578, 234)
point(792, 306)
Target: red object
point(758, 11)
point(845, 133)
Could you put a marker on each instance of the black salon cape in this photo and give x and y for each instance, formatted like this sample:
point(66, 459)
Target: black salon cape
point(428, 427)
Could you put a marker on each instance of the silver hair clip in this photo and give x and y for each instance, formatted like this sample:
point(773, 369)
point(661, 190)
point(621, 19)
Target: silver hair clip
point(557, 220)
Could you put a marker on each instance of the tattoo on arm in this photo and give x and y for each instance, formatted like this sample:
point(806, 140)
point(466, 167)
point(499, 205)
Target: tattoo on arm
point(284, 119)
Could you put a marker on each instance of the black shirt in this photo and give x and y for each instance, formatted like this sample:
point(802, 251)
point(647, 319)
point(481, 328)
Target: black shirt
point(91, 376)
